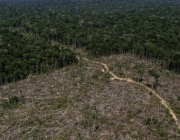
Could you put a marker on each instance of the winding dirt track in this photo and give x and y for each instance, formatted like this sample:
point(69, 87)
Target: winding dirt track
point(163, 102)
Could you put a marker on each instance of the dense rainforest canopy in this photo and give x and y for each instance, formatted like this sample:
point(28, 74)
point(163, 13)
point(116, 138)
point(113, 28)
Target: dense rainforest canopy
point(33, 33)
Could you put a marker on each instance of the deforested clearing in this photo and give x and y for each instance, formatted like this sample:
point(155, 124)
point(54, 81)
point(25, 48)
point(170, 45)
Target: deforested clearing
point(82, 102)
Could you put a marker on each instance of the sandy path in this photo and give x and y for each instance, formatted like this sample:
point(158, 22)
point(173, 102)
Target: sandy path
point(163, 102)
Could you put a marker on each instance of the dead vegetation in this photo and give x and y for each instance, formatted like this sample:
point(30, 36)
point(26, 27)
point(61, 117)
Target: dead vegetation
point(81, 102)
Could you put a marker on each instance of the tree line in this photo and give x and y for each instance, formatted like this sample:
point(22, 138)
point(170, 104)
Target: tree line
point(146, 28)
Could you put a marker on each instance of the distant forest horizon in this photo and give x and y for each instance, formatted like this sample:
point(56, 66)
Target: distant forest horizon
point(36, 35)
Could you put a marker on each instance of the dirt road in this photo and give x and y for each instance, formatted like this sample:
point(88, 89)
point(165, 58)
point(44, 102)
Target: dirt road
point(163, 102)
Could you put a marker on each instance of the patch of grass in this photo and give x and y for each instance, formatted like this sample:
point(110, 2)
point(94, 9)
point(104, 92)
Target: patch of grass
point(90, 116)
point(86, 123)
point(150, 121)
point(177, 110)
point(95, 77)
point(163, 134)
point(62, 103)
point(102, 77)
point(13, 102)
point(138, 66)
point(120, 127)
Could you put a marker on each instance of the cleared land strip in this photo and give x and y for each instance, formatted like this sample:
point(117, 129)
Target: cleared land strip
point(163, 102)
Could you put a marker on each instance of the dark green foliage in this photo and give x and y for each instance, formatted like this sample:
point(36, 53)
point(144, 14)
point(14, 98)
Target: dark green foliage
point(153, 73)
point(62, 103)
point(149, 29)
point(12, 102)
point(151, 121)
point(178, 98)
point(19, 59)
